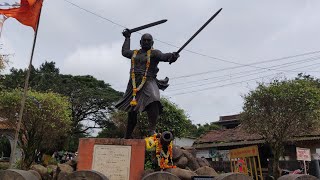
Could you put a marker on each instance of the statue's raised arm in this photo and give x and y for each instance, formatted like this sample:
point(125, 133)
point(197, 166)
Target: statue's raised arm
point(126, 52)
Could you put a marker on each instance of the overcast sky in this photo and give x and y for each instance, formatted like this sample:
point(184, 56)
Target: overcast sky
point(219, 66)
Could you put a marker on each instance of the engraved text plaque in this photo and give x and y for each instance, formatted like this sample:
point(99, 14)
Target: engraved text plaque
point(112, 160)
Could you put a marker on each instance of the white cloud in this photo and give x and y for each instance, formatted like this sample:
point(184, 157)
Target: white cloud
point(244, 32)
point(103, 61)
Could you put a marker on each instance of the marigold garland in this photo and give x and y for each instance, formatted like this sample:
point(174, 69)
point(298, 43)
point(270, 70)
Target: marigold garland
point(150, 143)
point(133, 78)
point(162, 157)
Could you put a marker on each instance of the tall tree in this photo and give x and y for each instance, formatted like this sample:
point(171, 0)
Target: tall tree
point(172, 119)
point(45, 124)
point(91, 99)
point(281, 110)
point(3, 61)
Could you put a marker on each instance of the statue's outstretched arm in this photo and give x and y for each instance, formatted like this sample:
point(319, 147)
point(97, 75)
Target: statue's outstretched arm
point(166, 57)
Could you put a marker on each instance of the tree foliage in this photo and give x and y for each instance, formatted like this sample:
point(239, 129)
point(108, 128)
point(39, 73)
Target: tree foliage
point(281, 110)
point(3, 61)
point(91, 99)
point(172, 119)
point(45, 124)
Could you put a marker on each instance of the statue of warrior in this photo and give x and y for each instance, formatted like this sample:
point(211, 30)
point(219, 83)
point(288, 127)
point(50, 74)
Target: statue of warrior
point(142, 92)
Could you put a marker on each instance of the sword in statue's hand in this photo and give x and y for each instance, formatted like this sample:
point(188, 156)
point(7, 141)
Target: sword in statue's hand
point(129, 31)
point(195, 34)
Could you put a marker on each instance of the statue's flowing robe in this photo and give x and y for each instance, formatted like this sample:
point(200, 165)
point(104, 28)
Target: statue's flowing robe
point(150, 90)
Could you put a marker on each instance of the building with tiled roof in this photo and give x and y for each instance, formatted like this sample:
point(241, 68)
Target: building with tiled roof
point(215, 144)
point(227, 137)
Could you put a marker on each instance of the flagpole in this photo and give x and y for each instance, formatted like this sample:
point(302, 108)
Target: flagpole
point(1, 29)
point(23, 100)
point(0, 32)
point(4, 19)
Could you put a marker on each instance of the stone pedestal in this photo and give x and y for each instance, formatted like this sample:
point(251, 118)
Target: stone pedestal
point(297, 177)
point(86, 175)
point(10, 174)
point(232, 176)
point(160, 176)
point(115, 158)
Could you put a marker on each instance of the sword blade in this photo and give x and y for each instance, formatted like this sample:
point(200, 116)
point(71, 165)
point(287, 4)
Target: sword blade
point(147, 26)
point(202, 27)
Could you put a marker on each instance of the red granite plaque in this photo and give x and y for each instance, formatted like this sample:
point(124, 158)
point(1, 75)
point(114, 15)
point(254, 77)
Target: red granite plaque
point(118, 159)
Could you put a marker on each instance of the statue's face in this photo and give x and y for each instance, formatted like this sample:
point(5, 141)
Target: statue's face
point(146, 42)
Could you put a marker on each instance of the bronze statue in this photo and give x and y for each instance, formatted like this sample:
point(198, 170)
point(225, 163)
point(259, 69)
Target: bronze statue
point(142, 92)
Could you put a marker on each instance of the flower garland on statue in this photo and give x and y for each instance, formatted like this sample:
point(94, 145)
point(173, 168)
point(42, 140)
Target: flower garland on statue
point(133, 77)
point(153, 143)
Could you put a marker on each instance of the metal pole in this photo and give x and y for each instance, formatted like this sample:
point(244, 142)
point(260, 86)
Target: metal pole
point(245, 160)
point(4, 19)
point(251, 174)
point(231, 167)
point(255, 167)
point(305, 167)
point(259, 165)
point(23, 100)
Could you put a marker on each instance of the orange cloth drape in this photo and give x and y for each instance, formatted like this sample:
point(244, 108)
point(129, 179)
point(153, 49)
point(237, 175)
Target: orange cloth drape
point(31, 2)
point(28, 13)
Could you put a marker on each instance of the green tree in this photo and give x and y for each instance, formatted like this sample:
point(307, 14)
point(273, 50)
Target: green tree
point(3, 61)
point(91, 100)
point(45, 124)
point(172, 119)
point(281, 110)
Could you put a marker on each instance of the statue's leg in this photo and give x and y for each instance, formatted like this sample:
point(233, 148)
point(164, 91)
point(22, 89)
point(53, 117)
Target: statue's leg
point(153, 114)
point(132, 121)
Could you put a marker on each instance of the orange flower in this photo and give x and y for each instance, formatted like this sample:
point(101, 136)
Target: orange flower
point(134, 86)
point(133, 102)
point(135, 90)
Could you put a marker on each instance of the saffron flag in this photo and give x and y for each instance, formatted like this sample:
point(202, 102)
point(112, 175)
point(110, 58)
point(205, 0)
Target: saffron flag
point(28, 13)
point(31, 2)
